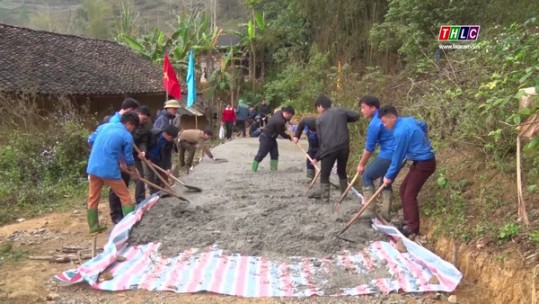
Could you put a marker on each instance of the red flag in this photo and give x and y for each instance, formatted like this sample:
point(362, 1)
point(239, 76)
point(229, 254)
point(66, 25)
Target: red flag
point(170, 82)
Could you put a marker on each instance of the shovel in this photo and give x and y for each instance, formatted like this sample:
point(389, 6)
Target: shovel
point(220, 160)
point(168, 191)
point(189, 187)
point(181, 198)
point(345, 193)
point(358, 214)
point(151, 166)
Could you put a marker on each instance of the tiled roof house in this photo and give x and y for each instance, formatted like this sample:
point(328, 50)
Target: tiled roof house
point(100, 72)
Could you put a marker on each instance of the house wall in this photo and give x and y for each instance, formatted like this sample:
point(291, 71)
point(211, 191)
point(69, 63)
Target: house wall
point(104, 105)
point(188, 122)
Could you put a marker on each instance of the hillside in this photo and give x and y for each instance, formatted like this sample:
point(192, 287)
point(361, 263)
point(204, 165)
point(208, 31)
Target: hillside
point(77, 16)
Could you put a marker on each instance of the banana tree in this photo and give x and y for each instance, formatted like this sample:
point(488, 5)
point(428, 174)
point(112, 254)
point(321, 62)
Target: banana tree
point(226, 79)
point(193, 31)
point(257, 22)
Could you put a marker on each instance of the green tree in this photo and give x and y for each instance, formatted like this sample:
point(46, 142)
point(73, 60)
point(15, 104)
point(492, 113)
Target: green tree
point(96, 17)
point(299, 83)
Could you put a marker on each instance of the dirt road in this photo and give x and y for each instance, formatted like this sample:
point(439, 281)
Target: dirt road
point(262, 213)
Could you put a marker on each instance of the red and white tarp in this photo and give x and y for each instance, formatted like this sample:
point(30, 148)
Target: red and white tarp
point(211, 270)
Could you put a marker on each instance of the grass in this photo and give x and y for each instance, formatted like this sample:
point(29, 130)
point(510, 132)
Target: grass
point(10, 253)
point(467, 205)
point(58, 199)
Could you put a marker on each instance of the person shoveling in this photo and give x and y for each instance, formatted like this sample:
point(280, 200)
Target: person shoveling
point(188, 141)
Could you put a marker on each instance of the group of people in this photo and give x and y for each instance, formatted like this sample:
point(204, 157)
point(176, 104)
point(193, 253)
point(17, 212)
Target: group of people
point(126, 145)
point(244, 117)
point(399, 139)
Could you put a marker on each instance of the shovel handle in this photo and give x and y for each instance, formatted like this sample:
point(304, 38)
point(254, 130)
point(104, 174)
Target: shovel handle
point(345, 193)
point(164, 190)
point(316, 176)
point(149, 164)
point(308, 156)
point(197, 189)
point(358, 214)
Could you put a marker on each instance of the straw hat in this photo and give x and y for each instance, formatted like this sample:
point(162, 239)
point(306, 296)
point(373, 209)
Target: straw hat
point(173, 103)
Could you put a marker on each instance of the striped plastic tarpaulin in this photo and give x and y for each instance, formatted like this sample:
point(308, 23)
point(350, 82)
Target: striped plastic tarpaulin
point(211, 270)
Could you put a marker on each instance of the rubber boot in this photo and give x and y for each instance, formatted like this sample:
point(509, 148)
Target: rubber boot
point(254, 166)
point(310, 174)
point(370, 212)
point(273, 164)
point(324, 193)
point(93, 221)
point(126, 209)
point(386, 204)
point(343, 184)
point(316, 193)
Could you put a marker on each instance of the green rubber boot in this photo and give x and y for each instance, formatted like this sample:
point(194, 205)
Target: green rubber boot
point(93, 221)
point(273, 164)
point(254, 166)
point(127, 209)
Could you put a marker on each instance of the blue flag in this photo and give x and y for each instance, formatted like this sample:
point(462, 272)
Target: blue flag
point(190, 80)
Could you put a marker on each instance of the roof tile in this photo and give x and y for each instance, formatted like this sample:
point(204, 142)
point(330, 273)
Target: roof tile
point(51, 63)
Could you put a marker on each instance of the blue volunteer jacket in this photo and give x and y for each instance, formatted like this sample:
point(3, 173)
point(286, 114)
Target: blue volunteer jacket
point(378, 134)
point(411, 142)
point(115, 118)
point(110, 143)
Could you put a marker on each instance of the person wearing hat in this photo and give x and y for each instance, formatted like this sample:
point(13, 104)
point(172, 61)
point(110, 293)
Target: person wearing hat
point(168, 116)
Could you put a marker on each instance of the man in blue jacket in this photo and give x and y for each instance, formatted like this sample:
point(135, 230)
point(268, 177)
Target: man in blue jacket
point(128, 104)
point(112, 143)
point(411, 142)
point(377, 134)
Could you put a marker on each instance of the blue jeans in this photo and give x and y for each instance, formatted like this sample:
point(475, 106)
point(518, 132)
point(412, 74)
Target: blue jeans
point(375, 170)
point(312, 153)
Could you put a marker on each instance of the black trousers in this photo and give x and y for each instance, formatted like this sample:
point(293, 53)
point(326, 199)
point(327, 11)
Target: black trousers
point(341, 156)
point(267, 145)
point(228, 130)
point(140, 187)
point(115, 206)
point(241, 126)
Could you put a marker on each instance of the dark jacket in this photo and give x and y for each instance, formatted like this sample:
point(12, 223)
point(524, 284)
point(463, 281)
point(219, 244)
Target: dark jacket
point(276, 126)
point(141, 136)
point(164, 119)
point(332, 130)
point(159, 150)
point(264, 110)
point(308, 125)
